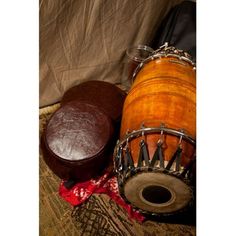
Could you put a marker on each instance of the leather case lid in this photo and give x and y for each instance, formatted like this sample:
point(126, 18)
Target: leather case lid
point(78, 132)
point(105, 95)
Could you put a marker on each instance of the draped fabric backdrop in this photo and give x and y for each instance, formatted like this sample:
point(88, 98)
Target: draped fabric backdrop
point(83, 40)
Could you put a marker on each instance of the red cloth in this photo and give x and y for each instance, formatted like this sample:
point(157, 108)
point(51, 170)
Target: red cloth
point(80, 192)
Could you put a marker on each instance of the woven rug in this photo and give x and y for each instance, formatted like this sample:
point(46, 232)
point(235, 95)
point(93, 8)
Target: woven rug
point(98, 216)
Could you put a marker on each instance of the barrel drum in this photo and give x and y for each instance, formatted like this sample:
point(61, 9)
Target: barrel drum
point(155, 156)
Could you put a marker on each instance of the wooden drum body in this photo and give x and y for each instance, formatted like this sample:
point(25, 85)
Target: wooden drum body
point(155, 156)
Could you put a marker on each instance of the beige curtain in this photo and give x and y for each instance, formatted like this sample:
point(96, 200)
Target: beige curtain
point(83, 40)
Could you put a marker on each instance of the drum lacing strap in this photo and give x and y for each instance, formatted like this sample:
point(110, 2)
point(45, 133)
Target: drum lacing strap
point(176, 157)
point(118, 159)
point(143, 154)
point(158, 155)
point(128, 160)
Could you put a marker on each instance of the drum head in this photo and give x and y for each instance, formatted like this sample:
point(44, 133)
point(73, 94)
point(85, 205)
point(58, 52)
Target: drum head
point(155, 192)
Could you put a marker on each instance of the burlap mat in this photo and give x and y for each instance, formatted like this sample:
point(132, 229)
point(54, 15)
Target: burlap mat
point(99, 216)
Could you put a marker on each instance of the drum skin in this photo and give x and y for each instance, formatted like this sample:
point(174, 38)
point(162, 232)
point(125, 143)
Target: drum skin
point(163, 92)
point(77, 141)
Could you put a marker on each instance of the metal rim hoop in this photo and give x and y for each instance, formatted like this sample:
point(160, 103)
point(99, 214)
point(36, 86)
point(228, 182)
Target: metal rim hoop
point(165, 51)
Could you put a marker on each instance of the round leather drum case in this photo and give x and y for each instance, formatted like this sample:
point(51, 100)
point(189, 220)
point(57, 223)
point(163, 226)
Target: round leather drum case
point(77, 141)
point(106, 96)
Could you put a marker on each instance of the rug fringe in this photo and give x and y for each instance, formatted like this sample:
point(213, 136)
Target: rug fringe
point(49, 109)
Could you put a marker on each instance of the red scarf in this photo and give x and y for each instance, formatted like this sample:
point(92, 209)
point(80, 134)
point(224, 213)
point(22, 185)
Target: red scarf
point(107, 184)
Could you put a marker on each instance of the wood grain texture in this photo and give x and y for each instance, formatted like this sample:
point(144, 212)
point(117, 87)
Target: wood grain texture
point(164, 91)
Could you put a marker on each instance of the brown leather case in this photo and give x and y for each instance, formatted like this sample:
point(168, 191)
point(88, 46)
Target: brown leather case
point(78, 141)
point(106, 96)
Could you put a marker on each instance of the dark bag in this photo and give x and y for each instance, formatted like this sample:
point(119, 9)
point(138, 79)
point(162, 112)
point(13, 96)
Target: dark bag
point(179, 29)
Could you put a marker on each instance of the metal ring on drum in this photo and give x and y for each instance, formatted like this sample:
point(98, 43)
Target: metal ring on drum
point(152, 187)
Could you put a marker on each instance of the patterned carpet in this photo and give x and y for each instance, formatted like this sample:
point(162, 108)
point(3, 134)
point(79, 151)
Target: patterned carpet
point(99, 216)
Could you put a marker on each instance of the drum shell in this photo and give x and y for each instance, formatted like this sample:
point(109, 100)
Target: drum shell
point(163, 92)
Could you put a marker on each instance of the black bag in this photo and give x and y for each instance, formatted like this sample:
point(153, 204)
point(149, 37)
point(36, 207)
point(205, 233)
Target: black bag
point(179, 29)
